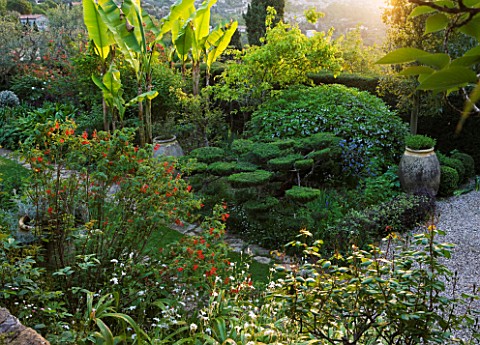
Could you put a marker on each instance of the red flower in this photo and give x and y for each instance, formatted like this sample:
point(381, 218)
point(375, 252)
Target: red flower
point(144, 188)
point(135, 149)
point(85, 142)
point(40, 159)
point(57, 125)
point(48, 191)
point(195, 267)
point(178, 222)
point(211, 231)
point(62, 141)
point(50, 210)
point(225, 217)
point(200, 254)
point(189, 188)
point(180, 269)
point(85, 135)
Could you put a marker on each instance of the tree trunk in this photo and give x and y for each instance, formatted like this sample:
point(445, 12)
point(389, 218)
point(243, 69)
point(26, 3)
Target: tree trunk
point(196, 78)
point(141, 117)
point(148, 112)
point(414, 113)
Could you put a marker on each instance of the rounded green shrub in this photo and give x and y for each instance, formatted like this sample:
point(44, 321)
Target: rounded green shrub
point(249, 179)
point(370, 129)
point(467, 161)
point(303, 194)
point(448, 181)
point(208, 154)
point(419, 142)
point(453, 163)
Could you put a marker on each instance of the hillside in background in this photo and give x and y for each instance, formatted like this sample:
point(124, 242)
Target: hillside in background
point(343, 15)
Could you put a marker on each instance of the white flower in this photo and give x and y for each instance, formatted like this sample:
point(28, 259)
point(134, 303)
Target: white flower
point(141, 293)
point(208, 331)
point(115, 261)
point(114, 280)
point(132, 307)
point(251, 343)
point(193, 327)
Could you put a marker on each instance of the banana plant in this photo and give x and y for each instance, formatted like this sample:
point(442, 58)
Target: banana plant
point(102, 40)
point(196, 42)
point(112, 89)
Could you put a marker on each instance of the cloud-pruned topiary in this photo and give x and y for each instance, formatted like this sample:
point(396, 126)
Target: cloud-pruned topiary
point(369, 128)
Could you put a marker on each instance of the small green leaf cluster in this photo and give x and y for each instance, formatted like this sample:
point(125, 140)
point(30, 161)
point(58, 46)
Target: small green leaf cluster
point(8, 99)
point(419, 142)
point(302, 194)
point(369, 128)
point(467, 161)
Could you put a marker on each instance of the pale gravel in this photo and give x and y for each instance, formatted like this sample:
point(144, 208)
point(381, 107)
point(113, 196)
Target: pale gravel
point(459, 218)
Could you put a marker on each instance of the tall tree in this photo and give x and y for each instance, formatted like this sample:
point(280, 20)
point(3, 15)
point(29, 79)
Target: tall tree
point(256, 15)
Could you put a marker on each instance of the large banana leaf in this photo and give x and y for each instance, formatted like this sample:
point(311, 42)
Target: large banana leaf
point(97, 29)
point(184, 41)
point(124, 36)
point(202, 20)
point(179, 13)
point(221, 43)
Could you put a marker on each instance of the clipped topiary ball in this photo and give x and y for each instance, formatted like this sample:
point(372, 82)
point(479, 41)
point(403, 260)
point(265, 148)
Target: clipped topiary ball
point(453, 163)
point(208, 154)
point(448, 181)
point(249, 179)
point(303, 194)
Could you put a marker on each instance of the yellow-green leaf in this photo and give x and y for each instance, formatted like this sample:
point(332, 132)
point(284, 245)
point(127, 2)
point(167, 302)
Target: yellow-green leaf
point(452, 77)
point(436, 22)
point(439, 60)
point(416, 70)
point(402, 55)
point(419, 10)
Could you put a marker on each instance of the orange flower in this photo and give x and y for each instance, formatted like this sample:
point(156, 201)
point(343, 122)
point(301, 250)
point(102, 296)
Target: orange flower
point(85, 135)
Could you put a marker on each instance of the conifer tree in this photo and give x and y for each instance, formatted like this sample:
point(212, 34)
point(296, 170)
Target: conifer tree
point(255, 18)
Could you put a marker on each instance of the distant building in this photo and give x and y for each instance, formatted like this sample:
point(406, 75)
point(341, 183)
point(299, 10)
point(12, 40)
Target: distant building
point(35, 19)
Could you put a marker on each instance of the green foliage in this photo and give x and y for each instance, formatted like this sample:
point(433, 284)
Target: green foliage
point(249, 179)
point(255, 17)
point(259, 176)
point(222, 168)
point(286, 59)
point(302, 194)
point(419, 142)
point(467, 161)
point(12, 177)
point(361, 82)
point(401, 213)
point(20, 6)
point(453, 163)
point(208, 154)
point(285, 163)
point(388, 295)
point(363, 120)
point(8, 99)
point(381, 188)
point(448, 181)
